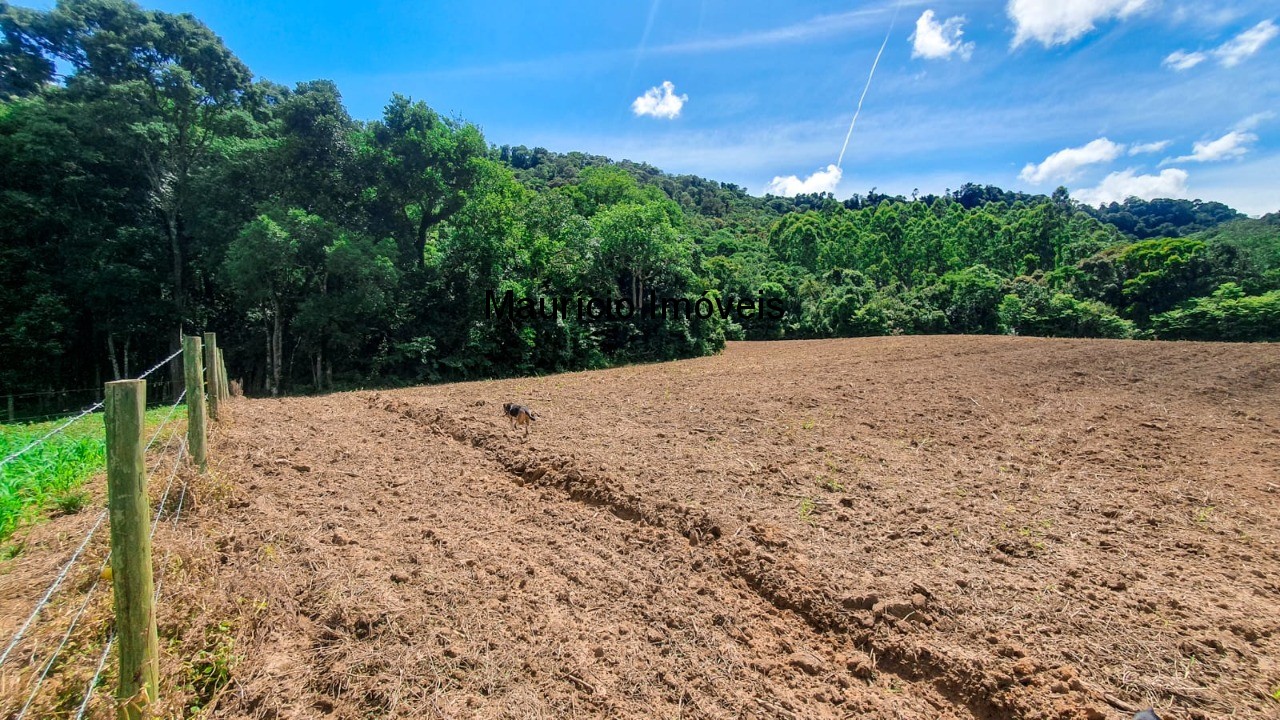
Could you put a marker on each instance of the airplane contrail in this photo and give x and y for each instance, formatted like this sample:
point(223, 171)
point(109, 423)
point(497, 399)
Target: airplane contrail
point(644, 39)
point(870, 75)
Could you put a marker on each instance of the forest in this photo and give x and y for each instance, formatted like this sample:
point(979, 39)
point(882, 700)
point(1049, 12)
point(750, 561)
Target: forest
point(151, 185)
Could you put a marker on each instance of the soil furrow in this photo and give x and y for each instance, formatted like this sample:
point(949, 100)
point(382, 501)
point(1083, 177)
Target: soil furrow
point(962, 682)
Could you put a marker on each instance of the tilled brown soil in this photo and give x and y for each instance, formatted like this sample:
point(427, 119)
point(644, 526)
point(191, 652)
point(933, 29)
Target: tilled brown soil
point(945, 527)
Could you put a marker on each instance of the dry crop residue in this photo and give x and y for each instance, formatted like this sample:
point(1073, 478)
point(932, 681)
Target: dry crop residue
point(954, 527)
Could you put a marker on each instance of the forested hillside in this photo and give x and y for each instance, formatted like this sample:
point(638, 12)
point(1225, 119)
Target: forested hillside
point(150, 185)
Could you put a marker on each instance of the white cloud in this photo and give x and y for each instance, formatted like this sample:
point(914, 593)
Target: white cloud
point(660, 102)
point(1151, 147)
point(939, 41)
point(1242, 46)
point(1255, 120)
point(1170, 183)
point(1058, 22)
point(1182, 60)
point(822, 181)
point(1228, 146)
point(813, 28)
point(1200, 15)
point(1065, 164)
point(1230, 53)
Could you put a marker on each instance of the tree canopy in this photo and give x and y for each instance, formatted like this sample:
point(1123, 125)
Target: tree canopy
point(150, 185)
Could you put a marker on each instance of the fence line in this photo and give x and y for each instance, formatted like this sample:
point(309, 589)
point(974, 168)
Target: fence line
point(61, 410)
point(68, 423)
point(95, 388)
point(84, 543)
point(17, 637)
point(35, 691)
point(206, 383)
point(53, 392)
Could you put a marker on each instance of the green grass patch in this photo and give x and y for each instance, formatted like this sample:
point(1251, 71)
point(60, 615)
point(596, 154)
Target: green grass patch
point(49, 475)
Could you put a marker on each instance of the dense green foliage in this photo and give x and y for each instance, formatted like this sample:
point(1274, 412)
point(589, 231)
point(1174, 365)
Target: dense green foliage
point(1162, 217)
point(156, 187)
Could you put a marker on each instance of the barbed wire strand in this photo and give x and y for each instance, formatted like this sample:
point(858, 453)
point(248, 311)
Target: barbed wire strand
point(164, 422)
point(66, 424)
point(159, 365)
point(17, 637)
point(85, 542)
point(88, 596)
point(182, 448)
point(178, 513)
point(93, 682)
point(168, 551)
point(49, 434)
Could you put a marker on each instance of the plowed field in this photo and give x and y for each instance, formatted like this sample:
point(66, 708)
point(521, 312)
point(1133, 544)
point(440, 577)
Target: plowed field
point(937, 527)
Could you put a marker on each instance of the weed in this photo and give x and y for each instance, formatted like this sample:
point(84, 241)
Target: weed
point(210, 668)
point(71, 502)
point(807, 506)
point(830, 483)
point(1189, 667)
point(1204, 514)
point(11, 550)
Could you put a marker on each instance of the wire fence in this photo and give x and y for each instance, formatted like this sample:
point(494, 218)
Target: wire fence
point(96, 406)
point(62, 575)
point(27, 408)
point(89, 594)
point(41, 405)
point(43, 668)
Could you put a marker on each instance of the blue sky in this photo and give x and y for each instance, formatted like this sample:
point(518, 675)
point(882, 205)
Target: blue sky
point(1150, 97)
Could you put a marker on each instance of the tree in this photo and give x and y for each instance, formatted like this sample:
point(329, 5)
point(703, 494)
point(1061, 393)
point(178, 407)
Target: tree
point(162, 81)
point(344, 304)
point(263, 270)
point(637, 245)
point(423, 165)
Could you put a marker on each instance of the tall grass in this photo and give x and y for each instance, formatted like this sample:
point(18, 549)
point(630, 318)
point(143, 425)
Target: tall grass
point(52, 473)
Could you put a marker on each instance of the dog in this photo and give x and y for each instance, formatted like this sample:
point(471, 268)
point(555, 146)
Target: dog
point(519, 415)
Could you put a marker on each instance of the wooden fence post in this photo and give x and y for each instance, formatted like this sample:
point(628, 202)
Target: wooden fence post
point(222, 375)
point(131, 548)
point(193, 372)
point(211, 373)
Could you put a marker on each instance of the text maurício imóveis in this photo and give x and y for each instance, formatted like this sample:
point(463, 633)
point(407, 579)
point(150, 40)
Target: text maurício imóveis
point(532, 307)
